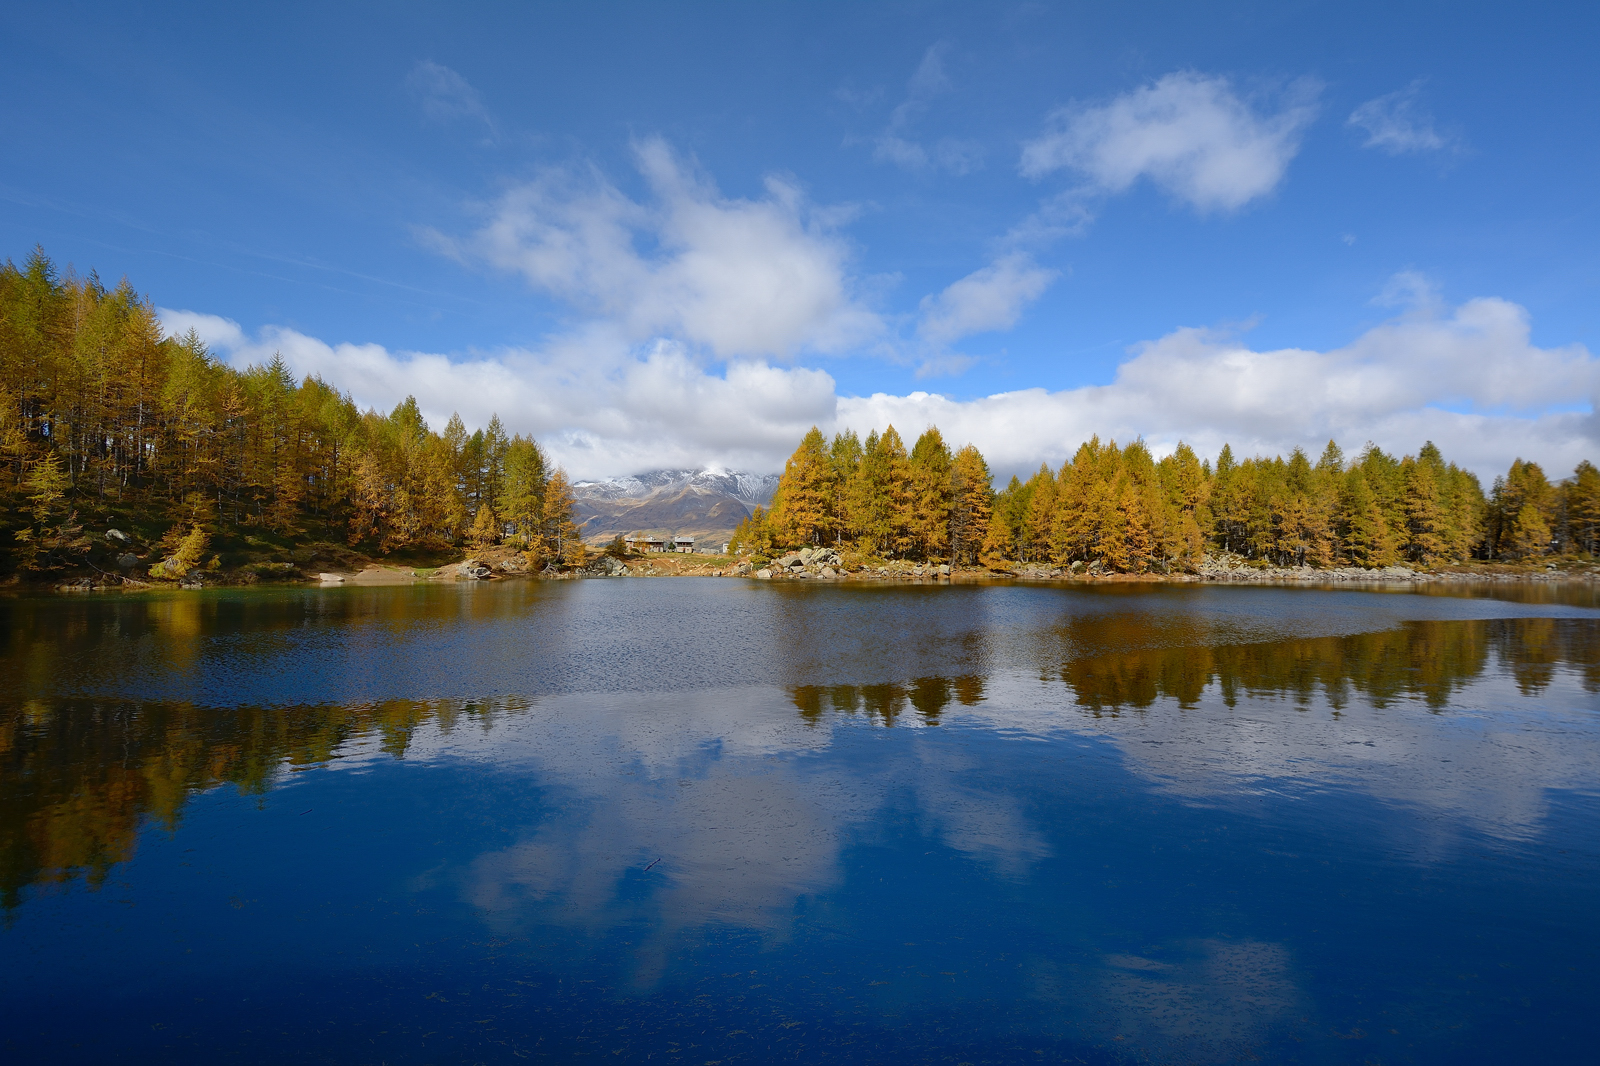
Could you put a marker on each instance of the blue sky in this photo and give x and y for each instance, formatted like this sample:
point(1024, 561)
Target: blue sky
point(679, 234)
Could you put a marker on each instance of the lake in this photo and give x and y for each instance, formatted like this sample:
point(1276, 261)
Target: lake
point(721, 821)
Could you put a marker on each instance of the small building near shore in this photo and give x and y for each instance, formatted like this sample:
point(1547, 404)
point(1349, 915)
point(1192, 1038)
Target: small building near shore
point(646, 542)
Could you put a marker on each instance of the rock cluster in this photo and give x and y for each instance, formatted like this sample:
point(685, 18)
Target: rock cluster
point(607, 566)
point(807, 562)
point(826, 563)
point(1232, 568)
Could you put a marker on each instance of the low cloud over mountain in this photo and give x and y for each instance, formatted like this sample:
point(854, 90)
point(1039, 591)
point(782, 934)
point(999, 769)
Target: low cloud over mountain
point(704, 504)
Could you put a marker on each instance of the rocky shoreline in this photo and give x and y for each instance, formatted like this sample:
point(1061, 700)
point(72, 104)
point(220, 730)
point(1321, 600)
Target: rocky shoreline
point(1232, 569)
point(827, 564)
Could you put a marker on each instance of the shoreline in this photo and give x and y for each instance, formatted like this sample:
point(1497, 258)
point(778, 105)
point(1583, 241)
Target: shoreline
point(827, 566)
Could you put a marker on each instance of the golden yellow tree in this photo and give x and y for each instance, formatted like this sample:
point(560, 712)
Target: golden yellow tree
point(929, 469)
point(999, 543)
point(560, 531)
point(803, 506)
point(970, 505)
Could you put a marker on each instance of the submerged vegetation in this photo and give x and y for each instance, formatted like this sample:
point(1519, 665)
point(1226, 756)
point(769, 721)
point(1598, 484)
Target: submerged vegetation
point(104, 421)
point(1119, 509)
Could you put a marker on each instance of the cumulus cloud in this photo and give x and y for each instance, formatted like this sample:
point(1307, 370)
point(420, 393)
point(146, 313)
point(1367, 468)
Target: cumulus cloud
point(687, 305)
point(988, 299)
point(601, 405)
point(214, 331)
point(759, 278)
point(1395, 123)
point(894, 144)
point(1468, 378)
point(1190, 134)
point(446, 96)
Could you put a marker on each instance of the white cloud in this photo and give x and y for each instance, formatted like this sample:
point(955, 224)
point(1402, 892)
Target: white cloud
point(1189, 134)
point(739, 278)
point(1410, 290)
point(600, 405)
point(1468, 378)
point(214, 331)
point(446, 95)
point(988, 299)
point(1397, 125)
point(893, 145)
point(684, 302)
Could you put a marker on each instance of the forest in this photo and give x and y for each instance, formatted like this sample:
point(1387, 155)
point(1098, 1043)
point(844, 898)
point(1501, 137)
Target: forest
point(106, 422)
point(1118, 509)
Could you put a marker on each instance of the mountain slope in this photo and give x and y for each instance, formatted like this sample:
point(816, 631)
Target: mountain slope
point(704, 504)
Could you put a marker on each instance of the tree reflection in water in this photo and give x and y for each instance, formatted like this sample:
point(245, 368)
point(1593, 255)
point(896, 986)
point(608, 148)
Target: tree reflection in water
point(80, 777)
point(1430, 661)
point(928, 696)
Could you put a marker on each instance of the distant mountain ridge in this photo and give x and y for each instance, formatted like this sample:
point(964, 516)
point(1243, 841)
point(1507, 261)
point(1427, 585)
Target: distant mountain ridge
point(704, 504)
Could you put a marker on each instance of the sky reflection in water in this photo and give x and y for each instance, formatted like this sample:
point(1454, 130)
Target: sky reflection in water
point(720, 821)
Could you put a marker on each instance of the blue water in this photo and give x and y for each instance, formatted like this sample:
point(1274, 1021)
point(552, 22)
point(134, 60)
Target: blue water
point(708, 821)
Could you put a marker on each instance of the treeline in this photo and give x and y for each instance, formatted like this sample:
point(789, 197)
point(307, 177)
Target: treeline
point(1118, 508)
point(103, 417)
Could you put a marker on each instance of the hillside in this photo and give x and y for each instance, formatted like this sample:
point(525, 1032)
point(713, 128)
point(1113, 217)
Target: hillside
point(704, 504)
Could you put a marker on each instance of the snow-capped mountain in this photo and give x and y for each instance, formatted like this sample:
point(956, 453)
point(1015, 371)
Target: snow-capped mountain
point(704, 504)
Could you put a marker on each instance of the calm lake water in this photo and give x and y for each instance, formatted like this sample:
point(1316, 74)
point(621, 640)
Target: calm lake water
point(707, 821)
